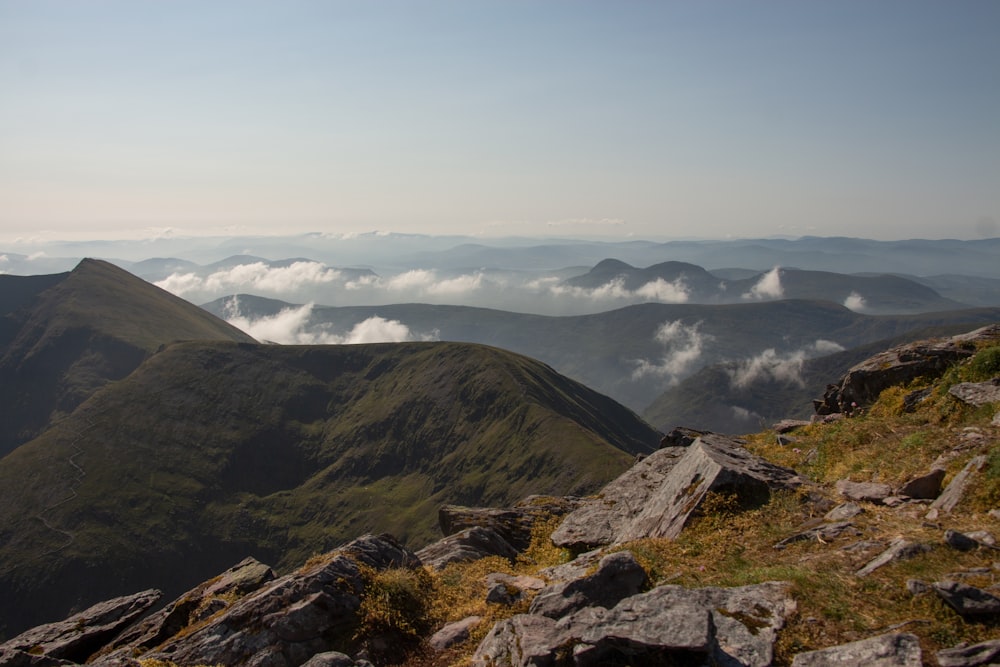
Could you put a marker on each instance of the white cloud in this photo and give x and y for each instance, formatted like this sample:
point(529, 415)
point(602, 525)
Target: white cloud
point(4, 258)
point(855, 302)
point(35, 255)
point(655, 290)
point(291, 326)
point(787, 367)
point(768, 287)
point(683, 346)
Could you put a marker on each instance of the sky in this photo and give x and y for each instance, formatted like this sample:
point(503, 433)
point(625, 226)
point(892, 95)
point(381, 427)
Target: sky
point(624, 119)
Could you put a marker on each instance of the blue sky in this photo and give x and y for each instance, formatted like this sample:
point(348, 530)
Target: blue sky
point(646, 119)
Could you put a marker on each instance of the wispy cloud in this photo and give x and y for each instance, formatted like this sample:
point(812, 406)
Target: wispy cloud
point(683, 346)
point(254, 277)
point(768, 287)
point(615, 290)
point(786, 367)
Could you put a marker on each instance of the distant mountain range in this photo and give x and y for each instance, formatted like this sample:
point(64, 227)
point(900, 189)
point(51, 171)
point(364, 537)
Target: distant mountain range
point(154, 461)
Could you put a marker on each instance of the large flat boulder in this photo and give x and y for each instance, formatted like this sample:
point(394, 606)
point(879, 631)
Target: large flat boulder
point(657, 496)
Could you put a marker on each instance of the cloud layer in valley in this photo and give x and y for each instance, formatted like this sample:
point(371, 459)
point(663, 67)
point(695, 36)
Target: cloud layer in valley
point(683, 346)
point(785, 367)
point(292, 326)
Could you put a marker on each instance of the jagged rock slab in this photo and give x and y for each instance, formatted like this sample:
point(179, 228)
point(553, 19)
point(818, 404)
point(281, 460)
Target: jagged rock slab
point(863, 383)
point(899, 549)
point(81, 635)
point(515, 524)
point(977, 393)
point(657, 496)
point(953, 493)
point(16, 658)
point(508, 589)
point(464, 546)
point(598, 520)
point(967, 600)
point(294, 617)
point(731, 626)
point(983, 653)
point(245, 577)
point(892, 650)
point(334, 659)
point(618, 576)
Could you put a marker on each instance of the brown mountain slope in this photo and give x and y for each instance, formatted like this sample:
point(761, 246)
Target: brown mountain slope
point(63, 336)
point(211, 451)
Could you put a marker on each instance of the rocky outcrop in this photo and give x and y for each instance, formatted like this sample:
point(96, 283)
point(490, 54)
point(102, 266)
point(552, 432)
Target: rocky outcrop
point(81, 635)
point(192, 607)
point(863, 383)
point(292, 618)
point(733, 626)
point(967, 600)
point(657, 496)
point(983, 653)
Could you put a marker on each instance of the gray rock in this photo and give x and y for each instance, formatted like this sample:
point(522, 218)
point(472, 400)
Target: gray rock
point(899, 549)
point(826, 532)
point(454, 633)
point(515, 524)
point(618, 576)
point(975, 655)
point(330, 659)
point(81, 635)
point(657, 496)
point(294, 617)
point(197, 604)
point(977, 393)
point(953, 493)
point(960, 541)
point(872, 492)
point(924, 487)
point(597, 521)
point(863, 383)
point(10, 657)
point(507, 589)
point(466, 545)
point(726, 626)
point(917, 587)
point(788, 425)
point(984, 537)
point(891, 650)
point(967, 600)
point(844, 511)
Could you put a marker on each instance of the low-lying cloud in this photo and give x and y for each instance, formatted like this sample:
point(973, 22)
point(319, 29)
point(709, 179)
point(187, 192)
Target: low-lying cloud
point(768, 287)
point(786, 367)
point(855, 302)
point(292, 326)
point(656, 290)
point(257, 277)
point(683, 346)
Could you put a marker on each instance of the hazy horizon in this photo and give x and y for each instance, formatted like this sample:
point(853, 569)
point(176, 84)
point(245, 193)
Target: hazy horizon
point(494, 119)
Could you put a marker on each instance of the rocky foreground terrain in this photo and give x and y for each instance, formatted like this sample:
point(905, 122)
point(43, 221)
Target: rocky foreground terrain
point(865, 536)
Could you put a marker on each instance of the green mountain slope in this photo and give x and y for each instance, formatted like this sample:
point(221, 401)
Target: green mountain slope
point(211, 451)
point(63, 336)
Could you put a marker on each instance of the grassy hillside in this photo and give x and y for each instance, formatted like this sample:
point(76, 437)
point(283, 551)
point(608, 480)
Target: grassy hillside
point(213, 451)
point(63, 336)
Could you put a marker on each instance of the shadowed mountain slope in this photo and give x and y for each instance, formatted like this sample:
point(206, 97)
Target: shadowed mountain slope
point(63, 336)
point(211, 451)
point(625, 353)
